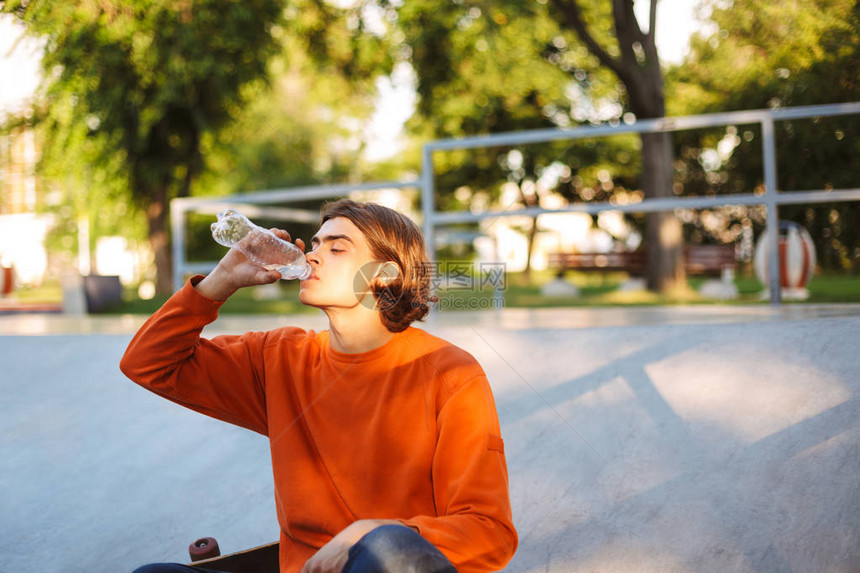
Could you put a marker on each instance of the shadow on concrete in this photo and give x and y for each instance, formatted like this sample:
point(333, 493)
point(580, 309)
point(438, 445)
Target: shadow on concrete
point(786, 502)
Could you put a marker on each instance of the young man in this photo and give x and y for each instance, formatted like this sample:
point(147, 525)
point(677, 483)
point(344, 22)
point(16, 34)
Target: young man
point(386, 448)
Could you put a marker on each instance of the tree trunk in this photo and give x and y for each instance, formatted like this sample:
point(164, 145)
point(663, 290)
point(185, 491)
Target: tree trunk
point(159, 241)
point(638, 67)
point(531, 243)
point(663, 233)
point(530, 200)
point(663, 236)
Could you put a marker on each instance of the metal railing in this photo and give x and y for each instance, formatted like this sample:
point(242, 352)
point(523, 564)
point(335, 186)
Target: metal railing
point(771, 199)
point(249, 204)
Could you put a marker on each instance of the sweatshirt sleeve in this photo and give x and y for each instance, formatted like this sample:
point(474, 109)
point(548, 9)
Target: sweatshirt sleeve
point(474, 527)
point(221, 377)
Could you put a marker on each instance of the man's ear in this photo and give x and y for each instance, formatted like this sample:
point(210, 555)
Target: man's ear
point(387, 273)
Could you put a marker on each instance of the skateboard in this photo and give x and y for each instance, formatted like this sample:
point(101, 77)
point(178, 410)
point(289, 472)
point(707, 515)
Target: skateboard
point(262, 559)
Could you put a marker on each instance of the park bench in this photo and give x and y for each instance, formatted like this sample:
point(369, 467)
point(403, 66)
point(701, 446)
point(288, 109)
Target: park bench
point(632, 262)
point(707, 260)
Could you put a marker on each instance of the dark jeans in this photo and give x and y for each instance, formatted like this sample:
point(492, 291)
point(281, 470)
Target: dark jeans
point(386, 549)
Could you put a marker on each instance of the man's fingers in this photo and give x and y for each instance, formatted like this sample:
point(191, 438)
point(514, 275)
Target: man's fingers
point(272, 277)
point(281, 234)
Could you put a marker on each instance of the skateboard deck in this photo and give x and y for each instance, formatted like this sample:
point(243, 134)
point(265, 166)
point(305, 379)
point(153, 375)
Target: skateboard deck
point(262, 559)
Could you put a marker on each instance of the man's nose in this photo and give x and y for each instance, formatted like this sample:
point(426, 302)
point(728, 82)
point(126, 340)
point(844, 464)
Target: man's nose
point(313, 256)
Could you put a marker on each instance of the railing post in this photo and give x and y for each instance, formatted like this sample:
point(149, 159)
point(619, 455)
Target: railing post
point(770, 201)
point(428, 207)
point(177, 225)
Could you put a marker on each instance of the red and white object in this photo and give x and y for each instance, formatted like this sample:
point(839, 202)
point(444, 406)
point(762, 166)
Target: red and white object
point(7, 281)
point(796, 260)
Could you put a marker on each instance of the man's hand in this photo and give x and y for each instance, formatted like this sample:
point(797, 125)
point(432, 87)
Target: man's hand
point(333, 555)
point(235, 271)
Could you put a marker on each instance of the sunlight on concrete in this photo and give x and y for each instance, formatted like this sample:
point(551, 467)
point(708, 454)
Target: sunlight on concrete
point(749, 391)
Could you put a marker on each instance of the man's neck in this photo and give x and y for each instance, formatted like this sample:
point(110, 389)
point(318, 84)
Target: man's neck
point(354, 332)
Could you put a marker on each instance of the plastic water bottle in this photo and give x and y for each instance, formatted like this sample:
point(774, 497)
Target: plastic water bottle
point(262, 246)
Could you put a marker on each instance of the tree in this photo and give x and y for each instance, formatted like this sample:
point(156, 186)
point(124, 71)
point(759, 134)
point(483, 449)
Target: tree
point(304, 127)
point(760, 55)
point(638, 67)
point(473, 70)
point(142, 83)
point(504, 65)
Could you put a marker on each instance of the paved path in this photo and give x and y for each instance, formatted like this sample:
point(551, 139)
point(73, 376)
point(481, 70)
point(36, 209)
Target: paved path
point(699, 439)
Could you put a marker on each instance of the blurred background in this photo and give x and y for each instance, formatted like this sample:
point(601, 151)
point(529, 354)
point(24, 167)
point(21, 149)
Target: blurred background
point(110, 110)
point(707, 431)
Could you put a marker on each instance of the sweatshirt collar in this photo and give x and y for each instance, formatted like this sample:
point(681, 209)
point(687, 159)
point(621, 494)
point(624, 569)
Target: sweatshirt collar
point(356, 357)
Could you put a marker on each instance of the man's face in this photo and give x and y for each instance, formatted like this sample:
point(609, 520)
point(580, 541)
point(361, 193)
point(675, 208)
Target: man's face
point(338, 251)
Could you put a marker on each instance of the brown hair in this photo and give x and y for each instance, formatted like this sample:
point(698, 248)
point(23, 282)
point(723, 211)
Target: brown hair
point(391, 236)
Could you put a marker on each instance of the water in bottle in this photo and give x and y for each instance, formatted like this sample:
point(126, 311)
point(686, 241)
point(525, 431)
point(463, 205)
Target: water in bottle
point(260, 245)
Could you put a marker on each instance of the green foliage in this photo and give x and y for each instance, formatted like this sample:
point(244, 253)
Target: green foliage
point(499, 65)
point(131, 88)
point(762, 55)
point(146, 101)
point(300, 129)
point(349, 42)
point(80, 187)
point(493, 66)
point(765, 54)
point(486, 66)
point(146, 80)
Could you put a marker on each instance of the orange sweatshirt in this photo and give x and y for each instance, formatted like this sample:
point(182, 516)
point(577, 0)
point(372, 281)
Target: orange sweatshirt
point(406, 431)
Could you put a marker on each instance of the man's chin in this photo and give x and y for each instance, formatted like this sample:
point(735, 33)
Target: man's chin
point(308, 301)
point(330, 303)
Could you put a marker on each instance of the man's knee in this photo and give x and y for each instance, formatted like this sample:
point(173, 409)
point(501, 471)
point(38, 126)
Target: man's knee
point(391, 537)
point(150, 568)
point(396, 548)
point(163, 568)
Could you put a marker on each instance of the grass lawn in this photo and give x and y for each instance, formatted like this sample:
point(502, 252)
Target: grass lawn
point(596, 289)
point(602, 289)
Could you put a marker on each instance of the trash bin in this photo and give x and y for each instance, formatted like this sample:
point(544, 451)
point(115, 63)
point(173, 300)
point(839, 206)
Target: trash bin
point(102, 292)
point(7, 281)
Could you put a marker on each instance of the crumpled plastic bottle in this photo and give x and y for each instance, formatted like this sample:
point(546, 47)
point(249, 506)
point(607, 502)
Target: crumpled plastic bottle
point(235, 230)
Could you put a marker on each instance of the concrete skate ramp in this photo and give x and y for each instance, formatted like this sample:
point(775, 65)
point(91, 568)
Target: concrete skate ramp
point(651, 440)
